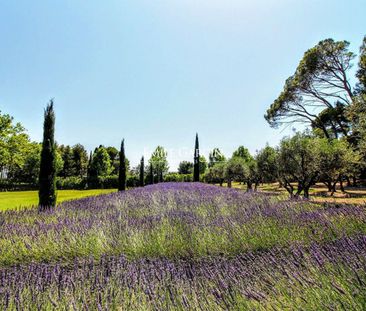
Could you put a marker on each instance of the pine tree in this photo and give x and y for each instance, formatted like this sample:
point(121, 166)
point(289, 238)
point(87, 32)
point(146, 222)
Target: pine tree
point(122, 168)
point(196, 167)
point(142, 163)
point(47, 173)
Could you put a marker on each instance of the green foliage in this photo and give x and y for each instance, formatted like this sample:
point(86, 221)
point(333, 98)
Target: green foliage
point(236, 169)
point(14, 145)
point(357, 112)
point(336, 160)
point(185, 167)
point(122, 174)
point(196, 161)
point(254, 176)
point(104, 182)
point(320, 80)
point(69, 183)
point(114, 158)
point(332, 122)
point(216, 173)
point(132, 181)
point(243, 168)
point(159, 163)
point(215, 156)
point(361, 72)
point(68, 163)
point(48, 170)
point(202, 165)
point(142, 172)
point(101, 163)
point(80, 160)
point(29, 172)
point(267, 164)
point(243, 153)
point(298, 161)
point(151, 174)
point(178, 177)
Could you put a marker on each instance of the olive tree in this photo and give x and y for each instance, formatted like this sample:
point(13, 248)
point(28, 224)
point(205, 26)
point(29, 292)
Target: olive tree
point(215, 156)
point(236, 170)
point(336, 160)
point(298, 162)
point(267, 164)
point(216, 173)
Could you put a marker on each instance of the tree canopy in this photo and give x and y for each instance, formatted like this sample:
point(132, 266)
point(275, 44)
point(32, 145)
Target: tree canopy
point(320, 84)
point(185, 167)
point(159, 162)
point(14, 145)
point(215, 156)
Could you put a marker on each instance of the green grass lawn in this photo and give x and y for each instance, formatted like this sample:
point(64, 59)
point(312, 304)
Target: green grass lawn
point(17, 199)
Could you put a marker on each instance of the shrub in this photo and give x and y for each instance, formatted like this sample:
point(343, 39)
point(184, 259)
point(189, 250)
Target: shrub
point(69, 183)
point(175, 177)
point(133, 181)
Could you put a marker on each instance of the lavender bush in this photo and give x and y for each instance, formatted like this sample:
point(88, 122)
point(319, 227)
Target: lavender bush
point(328, 276)
point(184, 246)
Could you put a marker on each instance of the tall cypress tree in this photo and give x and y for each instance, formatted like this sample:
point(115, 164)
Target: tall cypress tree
point(90, 164)
point(90, 172)
point(151, 174)
point(196, 167)
point(122, 168)
point(47, 173)
point(157, 172)
point(142, 167)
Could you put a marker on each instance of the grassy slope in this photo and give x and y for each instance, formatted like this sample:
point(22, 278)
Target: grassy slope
point(188, 222)
point(15, 199)
point(190, 236)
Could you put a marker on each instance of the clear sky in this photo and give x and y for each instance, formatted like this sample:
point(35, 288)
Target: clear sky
point(157, 71)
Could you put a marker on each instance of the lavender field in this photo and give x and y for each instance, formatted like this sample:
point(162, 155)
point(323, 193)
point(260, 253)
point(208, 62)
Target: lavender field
point(178, 246)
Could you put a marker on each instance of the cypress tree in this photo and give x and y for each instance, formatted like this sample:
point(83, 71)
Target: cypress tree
point(142, 163)
point(47, 172)
point(122, 168)
point(196, 165)
point(90, 163)
point(157, 172)
point(89, 173)
point(151, 174)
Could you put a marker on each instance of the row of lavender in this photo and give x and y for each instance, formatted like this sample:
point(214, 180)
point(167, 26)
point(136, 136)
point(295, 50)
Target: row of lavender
point(321, 276)
point(170, 220)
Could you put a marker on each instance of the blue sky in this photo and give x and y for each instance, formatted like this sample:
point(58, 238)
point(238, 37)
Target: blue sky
point(156, 72)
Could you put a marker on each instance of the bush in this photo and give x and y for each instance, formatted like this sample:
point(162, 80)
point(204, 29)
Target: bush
point(107, 182)
point(111, 182)
point(175, 177)
point(133, 181)
point(69, 183)
point(6, 185)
